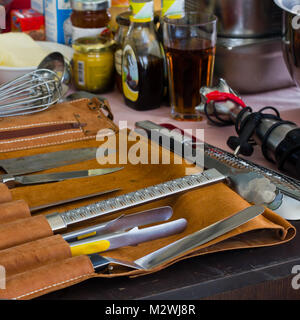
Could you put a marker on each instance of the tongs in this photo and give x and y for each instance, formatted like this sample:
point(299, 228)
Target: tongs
point(181, 246)
point(124, 231)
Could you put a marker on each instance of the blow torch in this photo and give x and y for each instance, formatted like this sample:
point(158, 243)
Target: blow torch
point(279, 139)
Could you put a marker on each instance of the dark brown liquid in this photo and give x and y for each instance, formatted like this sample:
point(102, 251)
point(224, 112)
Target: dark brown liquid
point(189, 70)
point(150, 84)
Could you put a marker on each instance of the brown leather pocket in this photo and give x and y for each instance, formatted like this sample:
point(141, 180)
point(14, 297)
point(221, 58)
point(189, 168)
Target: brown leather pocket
point(66, 122)
point(39, 129)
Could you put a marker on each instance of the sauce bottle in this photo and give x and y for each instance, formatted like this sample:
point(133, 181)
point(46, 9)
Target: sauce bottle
point(143, 60)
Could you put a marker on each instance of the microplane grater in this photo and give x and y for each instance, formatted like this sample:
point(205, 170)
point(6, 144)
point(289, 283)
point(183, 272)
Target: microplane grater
point(60, 221)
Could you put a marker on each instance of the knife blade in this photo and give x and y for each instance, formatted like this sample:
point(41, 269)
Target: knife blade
point(44, 161)
point(198, 238)
point(12, 181)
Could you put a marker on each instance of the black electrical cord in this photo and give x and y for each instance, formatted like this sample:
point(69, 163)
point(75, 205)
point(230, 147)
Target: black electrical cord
point(221, 123)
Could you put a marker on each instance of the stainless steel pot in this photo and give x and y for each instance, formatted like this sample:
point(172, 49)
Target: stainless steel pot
point(252, 65)
point(291, 36)
point(242, 18)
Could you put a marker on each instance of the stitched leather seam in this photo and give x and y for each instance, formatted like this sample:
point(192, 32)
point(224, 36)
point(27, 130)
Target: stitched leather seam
point(42, 137)
point(48, 144)
point(37, 125)
point(51, 286)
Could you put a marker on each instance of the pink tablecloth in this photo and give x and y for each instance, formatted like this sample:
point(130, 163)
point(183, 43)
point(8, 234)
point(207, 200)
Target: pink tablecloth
point(286, 100)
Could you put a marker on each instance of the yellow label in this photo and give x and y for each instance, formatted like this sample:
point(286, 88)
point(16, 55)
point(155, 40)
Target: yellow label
point(130, 74)
point(90, 248)
point(142, 11)
point(174, 9)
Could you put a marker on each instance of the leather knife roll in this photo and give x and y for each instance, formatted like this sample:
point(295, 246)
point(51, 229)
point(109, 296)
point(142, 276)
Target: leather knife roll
point(5, 194)
point(13, 210)
point(34, 254)
point(200, 208)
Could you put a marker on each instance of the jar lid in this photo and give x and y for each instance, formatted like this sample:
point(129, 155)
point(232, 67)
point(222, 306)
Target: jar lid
point(123, 18)
point(91, 5)
point(92, 44)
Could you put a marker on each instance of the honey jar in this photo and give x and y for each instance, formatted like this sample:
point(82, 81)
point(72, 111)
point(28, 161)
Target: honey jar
point(93, 64)
point(89, 18)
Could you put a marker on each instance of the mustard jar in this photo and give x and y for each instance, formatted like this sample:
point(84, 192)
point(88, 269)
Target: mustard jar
point(93, 64)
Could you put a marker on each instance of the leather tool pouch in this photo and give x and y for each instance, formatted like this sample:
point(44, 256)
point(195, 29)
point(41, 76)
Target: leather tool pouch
point(38, 262)
point(66, 122)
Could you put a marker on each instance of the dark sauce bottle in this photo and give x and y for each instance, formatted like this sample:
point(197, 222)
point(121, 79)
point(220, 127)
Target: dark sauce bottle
point(143, 60)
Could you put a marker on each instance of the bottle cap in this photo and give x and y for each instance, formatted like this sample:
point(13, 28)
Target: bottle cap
point(90, 5)
point(142, 10)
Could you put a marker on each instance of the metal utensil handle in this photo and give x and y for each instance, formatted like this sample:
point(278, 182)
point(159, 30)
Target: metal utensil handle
point(122, 223)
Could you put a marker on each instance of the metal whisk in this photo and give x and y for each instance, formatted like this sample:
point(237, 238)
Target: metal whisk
point(33, 92)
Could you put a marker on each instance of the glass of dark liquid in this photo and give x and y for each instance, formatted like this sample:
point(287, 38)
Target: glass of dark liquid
point(190, 46)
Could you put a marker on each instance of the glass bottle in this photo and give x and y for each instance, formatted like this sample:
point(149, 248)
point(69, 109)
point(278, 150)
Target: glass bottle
point(123, 21)
point(117, 8)
point(143, 60)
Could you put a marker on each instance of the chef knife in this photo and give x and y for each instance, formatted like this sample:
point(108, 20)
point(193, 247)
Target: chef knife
point(183, 245)
point(12, 181)
point(44, 161)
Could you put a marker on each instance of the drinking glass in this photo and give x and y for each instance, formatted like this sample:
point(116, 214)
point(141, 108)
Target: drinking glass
point(190, 46)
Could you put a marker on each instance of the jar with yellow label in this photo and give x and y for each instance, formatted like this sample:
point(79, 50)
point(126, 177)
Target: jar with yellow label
point(93, 64)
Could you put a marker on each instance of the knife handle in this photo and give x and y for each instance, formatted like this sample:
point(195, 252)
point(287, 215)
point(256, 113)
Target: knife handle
point(13, 210)
point(89, 248)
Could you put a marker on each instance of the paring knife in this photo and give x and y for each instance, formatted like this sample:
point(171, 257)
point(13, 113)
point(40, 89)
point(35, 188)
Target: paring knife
point(44, 161)
point(12, 181)
point(183, 245)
